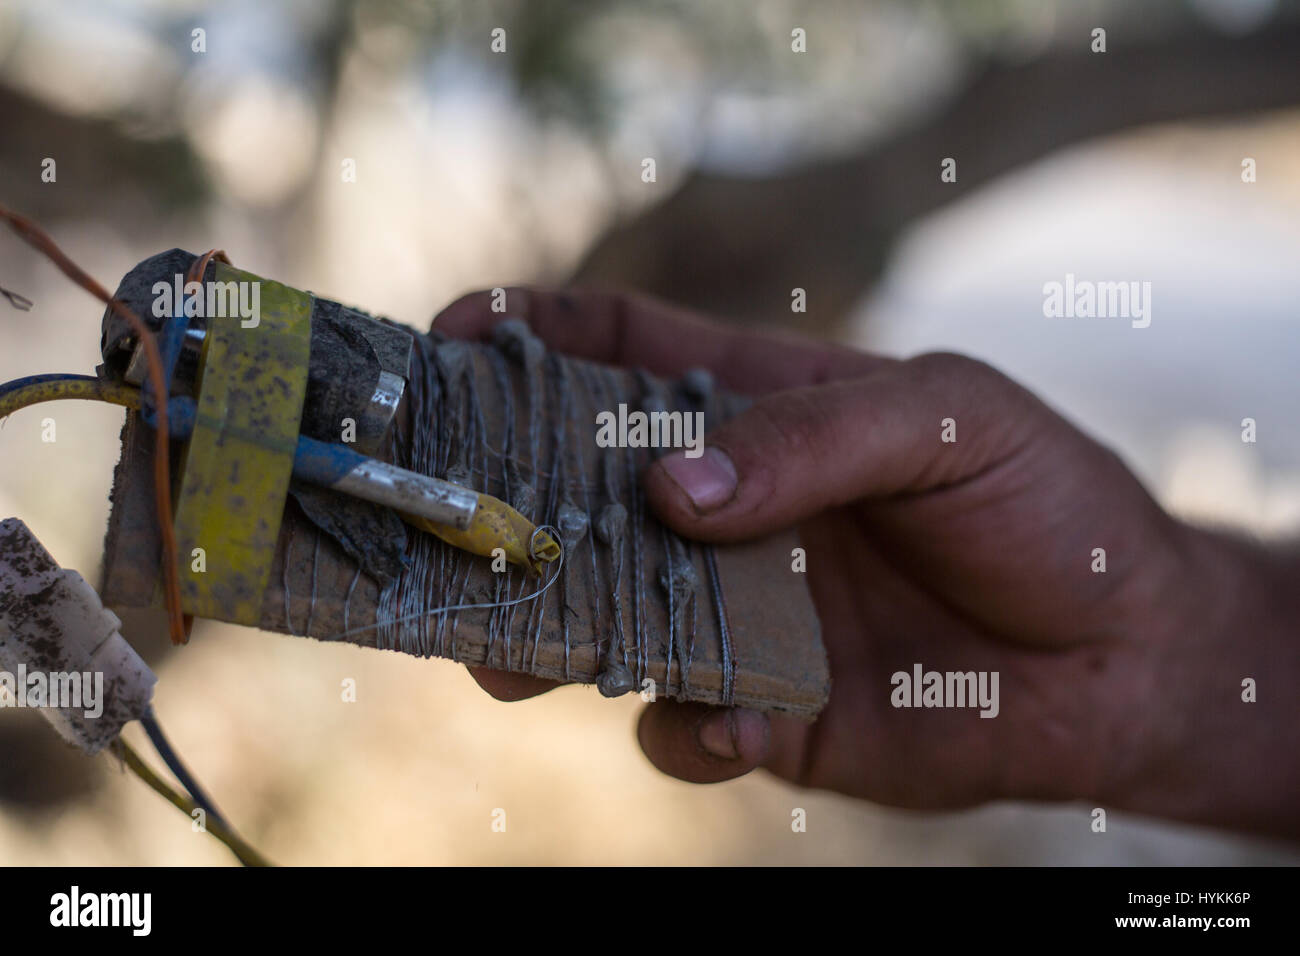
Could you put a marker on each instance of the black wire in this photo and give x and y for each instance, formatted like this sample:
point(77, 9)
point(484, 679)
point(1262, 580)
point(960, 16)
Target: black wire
point(174, 764)
point(20, 302)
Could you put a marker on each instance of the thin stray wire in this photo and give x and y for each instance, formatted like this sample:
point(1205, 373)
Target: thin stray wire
point(315, 567)
point(672, 612)
point(489, 605)
point(17, 300)
point(347, 600)
point(724, 629)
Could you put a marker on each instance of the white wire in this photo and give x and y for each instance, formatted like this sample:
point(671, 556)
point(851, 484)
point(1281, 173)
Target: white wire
point(532, 552)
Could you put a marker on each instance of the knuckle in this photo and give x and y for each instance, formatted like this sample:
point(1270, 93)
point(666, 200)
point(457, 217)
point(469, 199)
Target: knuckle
point(950, 365)
point(970, 382)
point(796, 422)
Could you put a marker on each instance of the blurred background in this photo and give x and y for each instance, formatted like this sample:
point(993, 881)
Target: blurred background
point(774, 169)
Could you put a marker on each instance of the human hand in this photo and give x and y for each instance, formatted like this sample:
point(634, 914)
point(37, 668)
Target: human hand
point(970, 555)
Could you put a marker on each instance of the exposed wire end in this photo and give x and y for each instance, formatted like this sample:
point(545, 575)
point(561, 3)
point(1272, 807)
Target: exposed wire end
point(494, 525)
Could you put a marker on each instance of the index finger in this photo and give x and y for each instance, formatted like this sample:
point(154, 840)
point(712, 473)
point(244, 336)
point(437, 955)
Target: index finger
point(633, 330)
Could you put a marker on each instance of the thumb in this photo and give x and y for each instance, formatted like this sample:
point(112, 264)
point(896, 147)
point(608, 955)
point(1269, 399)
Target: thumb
point(904, 427)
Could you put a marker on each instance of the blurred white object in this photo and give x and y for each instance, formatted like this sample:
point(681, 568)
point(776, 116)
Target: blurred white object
point(1165, 206)
point(60, 646)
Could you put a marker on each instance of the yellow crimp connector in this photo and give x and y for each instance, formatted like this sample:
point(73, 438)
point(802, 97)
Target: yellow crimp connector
point(496, 525)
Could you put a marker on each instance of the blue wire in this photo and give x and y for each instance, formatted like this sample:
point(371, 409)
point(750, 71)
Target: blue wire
point(174, 764)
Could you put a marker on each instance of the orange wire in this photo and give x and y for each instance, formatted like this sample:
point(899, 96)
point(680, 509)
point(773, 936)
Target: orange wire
point(38, 239)
point(200, 265)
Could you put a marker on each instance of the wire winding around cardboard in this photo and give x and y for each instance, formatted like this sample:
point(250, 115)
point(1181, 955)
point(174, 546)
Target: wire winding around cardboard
point(533, 547)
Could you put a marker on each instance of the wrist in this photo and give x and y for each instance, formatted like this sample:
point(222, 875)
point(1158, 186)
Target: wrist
point(1215, 726)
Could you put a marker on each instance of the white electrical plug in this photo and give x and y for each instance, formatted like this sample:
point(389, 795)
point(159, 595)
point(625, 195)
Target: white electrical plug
point(61, 650)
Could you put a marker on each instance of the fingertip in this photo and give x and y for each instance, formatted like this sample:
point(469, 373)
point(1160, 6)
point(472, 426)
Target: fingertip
point(735, 734)
point(669, 501)
point(699, 498)
point(475, 314)
point(466, 317)
point(708, 480)
point(702, 744)
point(506, 686)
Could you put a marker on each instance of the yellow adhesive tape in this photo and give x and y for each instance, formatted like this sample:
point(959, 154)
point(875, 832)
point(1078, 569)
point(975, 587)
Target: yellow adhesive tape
point(240, 456)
